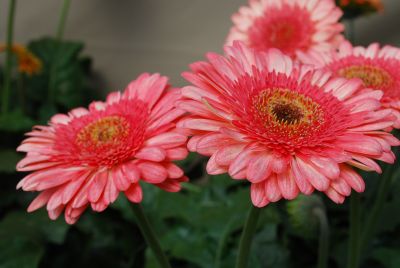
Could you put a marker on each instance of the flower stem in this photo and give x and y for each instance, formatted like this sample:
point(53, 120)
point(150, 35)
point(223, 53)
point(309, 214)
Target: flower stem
point(247, 236)
point(150, 236)
point(323, 251)
point(8, 67)
point(59, 37)
point(63, 18)
point(373, 215)
point(354, 240)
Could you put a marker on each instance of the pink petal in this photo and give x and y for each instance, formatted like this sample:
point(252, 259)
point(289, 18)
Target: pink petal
point(152, 172)
point(134, 193)
point(258, 194)
point(151, 153)
point(96, 188)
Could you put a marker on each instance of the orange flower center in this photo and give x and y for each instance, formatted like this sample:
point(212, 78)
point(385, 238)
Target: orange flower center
point(106, 131)
point(371, 76)
point(288, 117)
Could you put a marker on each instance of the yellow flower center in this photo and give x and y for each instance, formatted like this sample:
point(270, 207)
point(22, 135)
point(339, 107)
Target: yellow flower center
point(287, 108)
point(371, 76)
point(105, 131)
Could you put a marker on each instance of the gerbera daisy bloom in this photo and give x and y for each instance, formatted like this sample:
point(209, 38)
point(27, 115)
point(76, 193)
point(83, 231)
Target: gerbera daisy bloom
point(286, 128)
point(289, 25)
point(28, 63)
point(90, 155)
point(377, 67)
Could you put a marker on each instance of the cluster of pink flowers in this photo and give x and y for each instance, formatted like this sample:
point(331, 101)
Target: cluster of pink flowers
point(291, 107)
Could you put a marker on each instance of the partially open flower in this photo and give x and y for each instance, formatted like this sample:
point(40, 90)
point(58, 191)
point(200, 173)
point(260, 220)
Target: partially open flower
point(286, 128)
point(28, 63)
point(377, 67)
point(289, 25)
point(90, 155)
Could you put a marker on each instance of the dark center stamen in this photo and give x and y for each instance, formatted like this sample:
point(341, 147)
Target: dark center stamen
point(287, 112)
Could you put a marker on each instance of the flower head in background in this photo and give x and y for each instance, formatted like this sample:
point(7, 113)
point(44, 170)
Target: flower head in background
point(289, 25)
point(355, 8)
point(90, 155)
point(286, 128)
point(28, 63)
point(377, 67)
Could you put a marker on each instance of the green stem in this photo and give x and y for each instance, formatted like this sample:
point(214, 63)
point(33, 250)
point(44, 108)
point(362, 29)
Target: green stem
point(59, 37)
point(355, 224)
point(373, 215)
point(222, 243)
point(323, 238)
point(150, 236)
point(8, 67)
point(63, 19)
point(247, 236)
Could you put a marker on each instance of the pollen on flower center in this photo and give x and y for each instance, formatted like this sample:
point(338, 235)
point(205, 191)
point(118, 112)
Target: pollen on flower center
point(105, 131)
point(370, 75)
point(287, 108)
point(288, 117)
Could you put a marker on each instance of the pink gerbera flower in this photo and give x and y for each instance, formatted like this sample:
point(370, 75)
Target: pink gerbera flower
point(378, 68)
point(89, 156)
point(286, 128)
point(289, 25)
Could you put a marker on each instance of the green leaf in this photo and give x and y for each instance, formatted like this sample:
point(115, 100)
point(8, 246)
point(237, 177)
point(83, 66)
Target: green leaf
point(388, 256)
point(22, 237)
point(9, 159)
point(65, 72)
point(15, 122)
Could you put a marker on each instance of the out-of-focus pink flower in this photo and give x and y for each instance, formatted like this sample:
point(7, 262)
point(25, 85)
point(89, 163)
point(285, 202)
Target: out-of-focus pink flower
point(289, 25)
point(377, 67)
point(90, 155)
point(286, 128)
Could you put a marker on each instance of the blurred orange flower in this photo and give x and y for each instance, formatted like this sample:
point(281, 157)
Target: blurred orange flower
point(355, 8)
point(28, 63)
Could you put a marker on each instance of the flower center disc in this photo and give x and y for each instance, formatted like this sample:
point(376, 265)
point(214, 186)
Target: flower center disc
point(288, 28)
point(370, 75)
point(286, 112)
point(103, 132)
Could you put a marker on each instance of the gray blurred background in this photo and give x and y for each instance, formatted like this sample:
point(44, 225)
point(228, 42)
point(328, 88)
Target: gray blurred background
point(127, 37)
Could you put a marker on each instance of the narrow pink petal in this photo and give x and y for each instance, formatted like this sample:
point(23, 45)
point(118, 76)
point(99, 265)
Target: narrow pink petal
point(167, 140)
point(110, 191)
point(96, 188)
point(55, 213)
point(352, 178)
point(287, 185)
point(259, 168)
point(341, 187)
point(151, 153)
point(272, 191)
point(40, 200)
point(238, 167)
point(258, 197)
point(334, 196)
point(173, 171)
point(213, 168)
point(170, 186)
point(317, 180)
point(122, 182)
point(178, 153)
point(152, 172)
point(227, 154)
point(134, 193)
point(304, 185)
